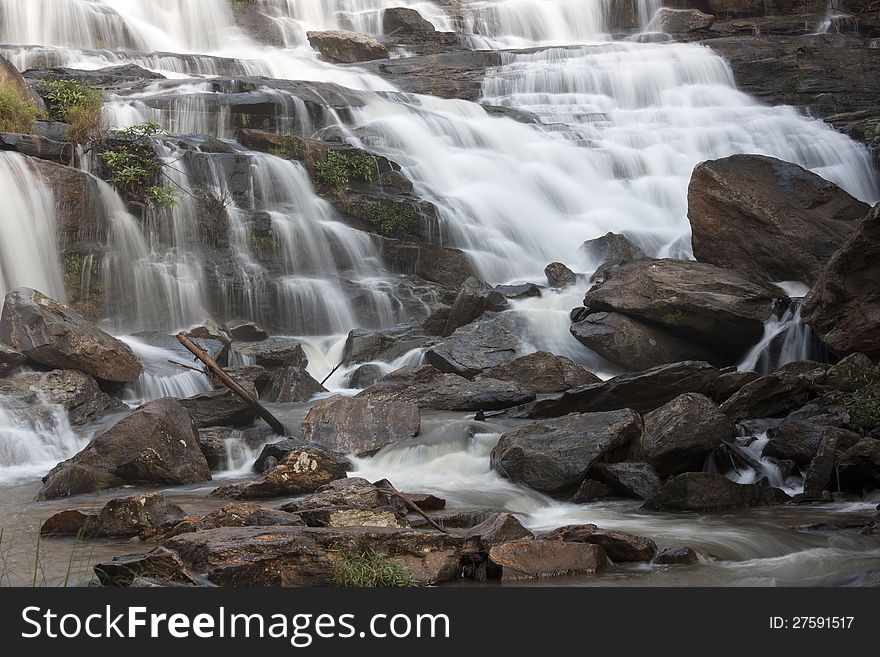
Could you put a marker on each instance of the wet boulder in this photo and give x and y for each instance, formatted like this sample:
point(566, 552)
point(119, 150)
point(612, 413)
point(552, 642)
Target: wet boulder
point(559, 276)
point(302, 470)
point(365, 345)
point(160, 565)
point(679, 435)
point(274, 352)
point(155, 444)
point(773, 395)
point(702, 491)
point(365, 376)
point(54, 335)
point(819, 479)
point(474, 299)
point(344, 47)
point(123, 517)
point(220, 408)
point(798, 440)
point(542, 372)
point(273, 453)
point(429, 388)
point(291, 384)
point(680, 21)
point(77, 392)
point(729, 383)
point(590, 490)
point(349, 493)
point(238, 514)
point(213, 446)
point(633, 344)
point(611, 248)
point(850, 373)
point(10, 360)
point(360, 425)
point(677, 556)
point(721, 309)
point(762, 214)
point(245, 331)
point(555, 455)
point(477, 347)
point(858, 468)
point(534, 559)
point(519, 290)
point(620, 547)
point(499, 529)
point(843, 307)
point(628, 479)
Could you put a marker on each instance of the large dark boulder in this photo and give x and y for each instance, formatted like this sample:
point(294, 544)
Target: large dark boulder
point(364, 345)
point(555, 455)
point(620, 547)
point(156, 444)
point(429, 388)
point(54, 335)
point(628, 479)
point(633, 344)
point(274, 352)
point(641, 391)
point(679, 435)
point(611, 248)
point(721, 309)
point(542, 372)
point(159, 565)
point(858, 469)
point(843, 308)
point(773, 395)
point(360, 425)
point(77, 392)
point(124, 517)
point(559, 276)
point(343, 47)
point(798, 440)
point(702, 491)
point(819, 479)
point(291, 384)
point(762, 214)
point(474, 299)
point(220, 408)
point(477, 347)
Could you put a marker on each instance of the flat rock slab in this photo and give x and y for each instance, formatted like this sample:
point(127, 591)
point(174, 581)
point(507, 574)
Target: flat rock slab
point(532, 559)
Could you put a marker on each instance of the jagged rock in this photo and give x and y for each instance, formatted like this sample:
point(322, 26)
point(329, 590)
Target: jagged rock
point(590, 490)
point(123, 517)
point(274, 352)
point(156, 444)
point(676, 556)
point(843, 308)
point(628, 479)
point(365, 376)
point(291, 384)
point(640, 391)
point(499, 529)
point(620, 547)
point(244, 331)
point(559, 276)
point(304, 469)
point(308, 556)
point(702, 491)
point(858, 469)
point(350, 493)
point(818, 481)
point(10, 360)
point(679, 435)
point(477, 347)
point(678, 21)
point(555, 455)
point(220, 408)
point(801, 218)
point(798, 440)
point(159, 564)
point(52, 334)
point(364, 345)
point(343, 47)
point(729, 383)
point(212, 444)
point(849, 374)
point(429, 388)
point(474, 300)
point(76, 392)
point(718, 308)
point(632, 344)
point(360, 425)
point(238, 514)
point(542, 372)
point(611, 248)
point(770, 396)
point(531, 559)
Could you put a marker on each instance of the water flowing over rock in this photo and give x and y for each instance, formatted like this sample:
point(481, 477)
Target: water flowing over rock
point(700, 491)
point(555, 455)
point(611, 248)
point(360, 425)
point(51, 334)
point(76, 392)
point(761, 214)
point(430, 388)
point(843, 308)
point(156, 444)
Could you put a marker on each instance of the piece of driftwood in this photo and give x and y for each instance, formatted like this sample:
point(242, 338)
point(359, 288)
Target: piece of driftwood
point(232, 384)
point(388, 487)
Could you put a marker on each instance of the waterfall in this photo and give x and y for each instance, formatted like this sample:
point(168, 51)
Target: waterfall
point(786, 339)
point(28, 252)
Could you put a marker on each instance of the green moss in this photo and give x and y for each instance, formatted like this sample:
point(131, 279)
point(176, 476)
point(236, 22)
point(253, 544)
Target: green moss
point(863, 403)
point(390, 220)
point(341, 167)
point(672, 318)
point(370, 569)
point(17, 112)
point(263, 245)
point(75, 103)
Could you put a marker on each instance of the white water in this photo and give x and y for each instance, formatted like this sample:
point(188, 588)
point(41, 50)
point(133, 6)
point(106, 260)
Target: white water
point(164, 374)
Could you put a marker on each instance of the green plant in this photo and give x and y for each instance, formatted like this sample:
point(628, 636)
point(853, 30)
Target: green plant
point(370, 569)
point(390, 220)
point(672, 318)
point(263, 245)
point(77, 104)
point(336, 172)
point(17, 112)
point(291, 147)
point(862, 403)
point(133, 166)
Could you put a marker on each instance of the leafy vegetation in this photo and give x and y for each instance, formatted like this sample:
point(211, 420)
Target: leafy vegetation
point(133, 166)
point(370, 569)
point(77, 104)
point(291, 147)
point(863, 403)
point(337, 171)
point(390, 220)
point(17, 112)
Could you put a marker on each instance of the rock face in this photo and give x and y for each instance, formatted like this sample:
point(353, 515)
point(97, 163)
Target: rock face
point(360, 425)
point(718, 308)
point(536, 559)
point(51, 334)
point(476, 347)
point(429, 388)
point(308, 556)
point(843, 308)
point(555, 455)
point(620, 547)
point(473, 300)
point(818, 480)
point(156, 444)
point(611, 248)
point(559, 276)
point(641, 391)
point(632, 344)
point(762, 214)
point(701, 491)
point(304, 469)
point(678, 21)
point(798, 440)
point(239, 514)
point(343, 47)
point(542, 372)
point(291, 384)
point(680, 434)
